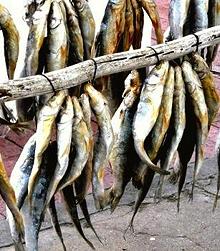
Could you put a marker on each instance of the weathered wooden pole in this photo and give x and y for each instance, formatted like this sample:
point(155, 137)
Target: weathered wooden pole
point(106, 65)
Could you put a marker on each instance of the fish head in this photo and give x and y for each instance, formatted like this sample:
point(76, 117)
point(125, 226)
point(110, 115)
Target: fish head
point(199, 65)
point(78, 113)
point(97, 100)
point(55, 16)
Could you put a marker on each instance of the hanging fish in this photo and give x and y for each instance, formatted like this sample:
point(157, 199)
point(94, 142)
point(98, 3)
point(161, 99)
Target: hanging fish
point(46, 120)
point(138, 21)
point(151, 9)
point(104, 144)
point(177, 125)
point(76, 50)
point(87, 26)
point(178, 12)
point(148, 110)
point(80, 144)
point(11, 40)
point(194, 86)
point(207, 80)
point(64, 136)
point(19, 181)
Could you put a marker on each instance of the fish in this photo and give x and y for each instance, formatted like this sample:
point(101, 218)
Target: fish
point(26, 107)
point(83, 182)
point(81, 145)
point(187, 144)
point(33, 214)
point(11, 40)
point(213, 20)
point(157, 135)
point(87, 26)
point(178, 13)
point(130, 94)
point(138, 22)
point(207, 80)
point(76, 50)
point(70, 204)
point(57, 45)
point(177, 125)
point(46, 120)
point(55, 222)
point(195, 89)
point(109, 36)
point(148, 110)
point(150, 8)
point(64, 135)
point(217, 150)
point(112, 28)
point(35, 39)
point(104, 144)
point(128, 34)
point(123, 149)
point(122, 158)
point(116, 90)
point(19, 182)
point(8, 195)
point(57, 42)
point(201, 16)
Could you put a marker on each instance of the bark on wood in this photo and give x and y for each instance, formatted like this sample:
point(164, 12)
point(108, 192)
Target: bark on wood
point(106, 65)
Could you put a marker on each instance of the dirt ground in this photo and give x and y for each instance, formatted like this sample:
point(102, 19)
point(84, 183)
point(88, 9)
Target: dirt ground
point(157, 226)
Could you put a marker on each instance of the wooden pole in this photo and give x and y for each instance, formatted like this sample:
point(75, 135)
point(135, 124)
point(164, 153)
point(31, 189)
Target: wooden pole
point(106, 65)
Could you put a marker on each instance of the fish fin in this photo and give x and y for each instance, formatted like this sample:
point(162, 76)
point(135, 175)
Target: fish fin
point(70, 203)
point(55, 221)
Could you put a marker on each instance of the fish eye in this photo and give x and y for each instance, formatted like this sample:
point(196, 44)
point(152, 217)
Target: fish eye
point(55, 23)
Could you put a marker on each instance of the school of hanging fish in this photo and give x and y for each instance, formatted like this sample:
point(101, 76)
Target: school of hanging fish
point(143, 119)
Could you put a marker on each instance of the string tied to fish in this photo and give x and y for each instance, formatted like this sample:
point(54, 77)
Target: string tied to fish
point(197, 42)
point(156, 54)
point(50, 82)
point(95, 71)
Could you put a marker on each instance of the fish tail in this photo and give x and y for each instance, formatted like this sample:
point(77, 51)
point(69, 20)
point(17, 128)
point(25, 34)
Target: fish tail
point(84, 208)
point(55, 221)
point(183, 169)
point(139, 146)
point(218, 182)
point(69, 198)
point(142, 194)
point(19, 246)
point(197, 167)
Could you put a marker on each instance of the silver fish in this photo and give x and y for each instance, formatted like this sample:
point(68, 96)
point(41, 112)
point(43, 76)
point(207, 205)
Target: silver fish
point(104, 144)
point(75, 36)
point(177, 124)
point(33, 214)
point(11, 40)
point(195, 90)
point(81, 143)
point(87, 26)
point(46, 120)
point(57, 40)
point(148, 110)
point(19, 181)
point(64, 136)
point(178, 11)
